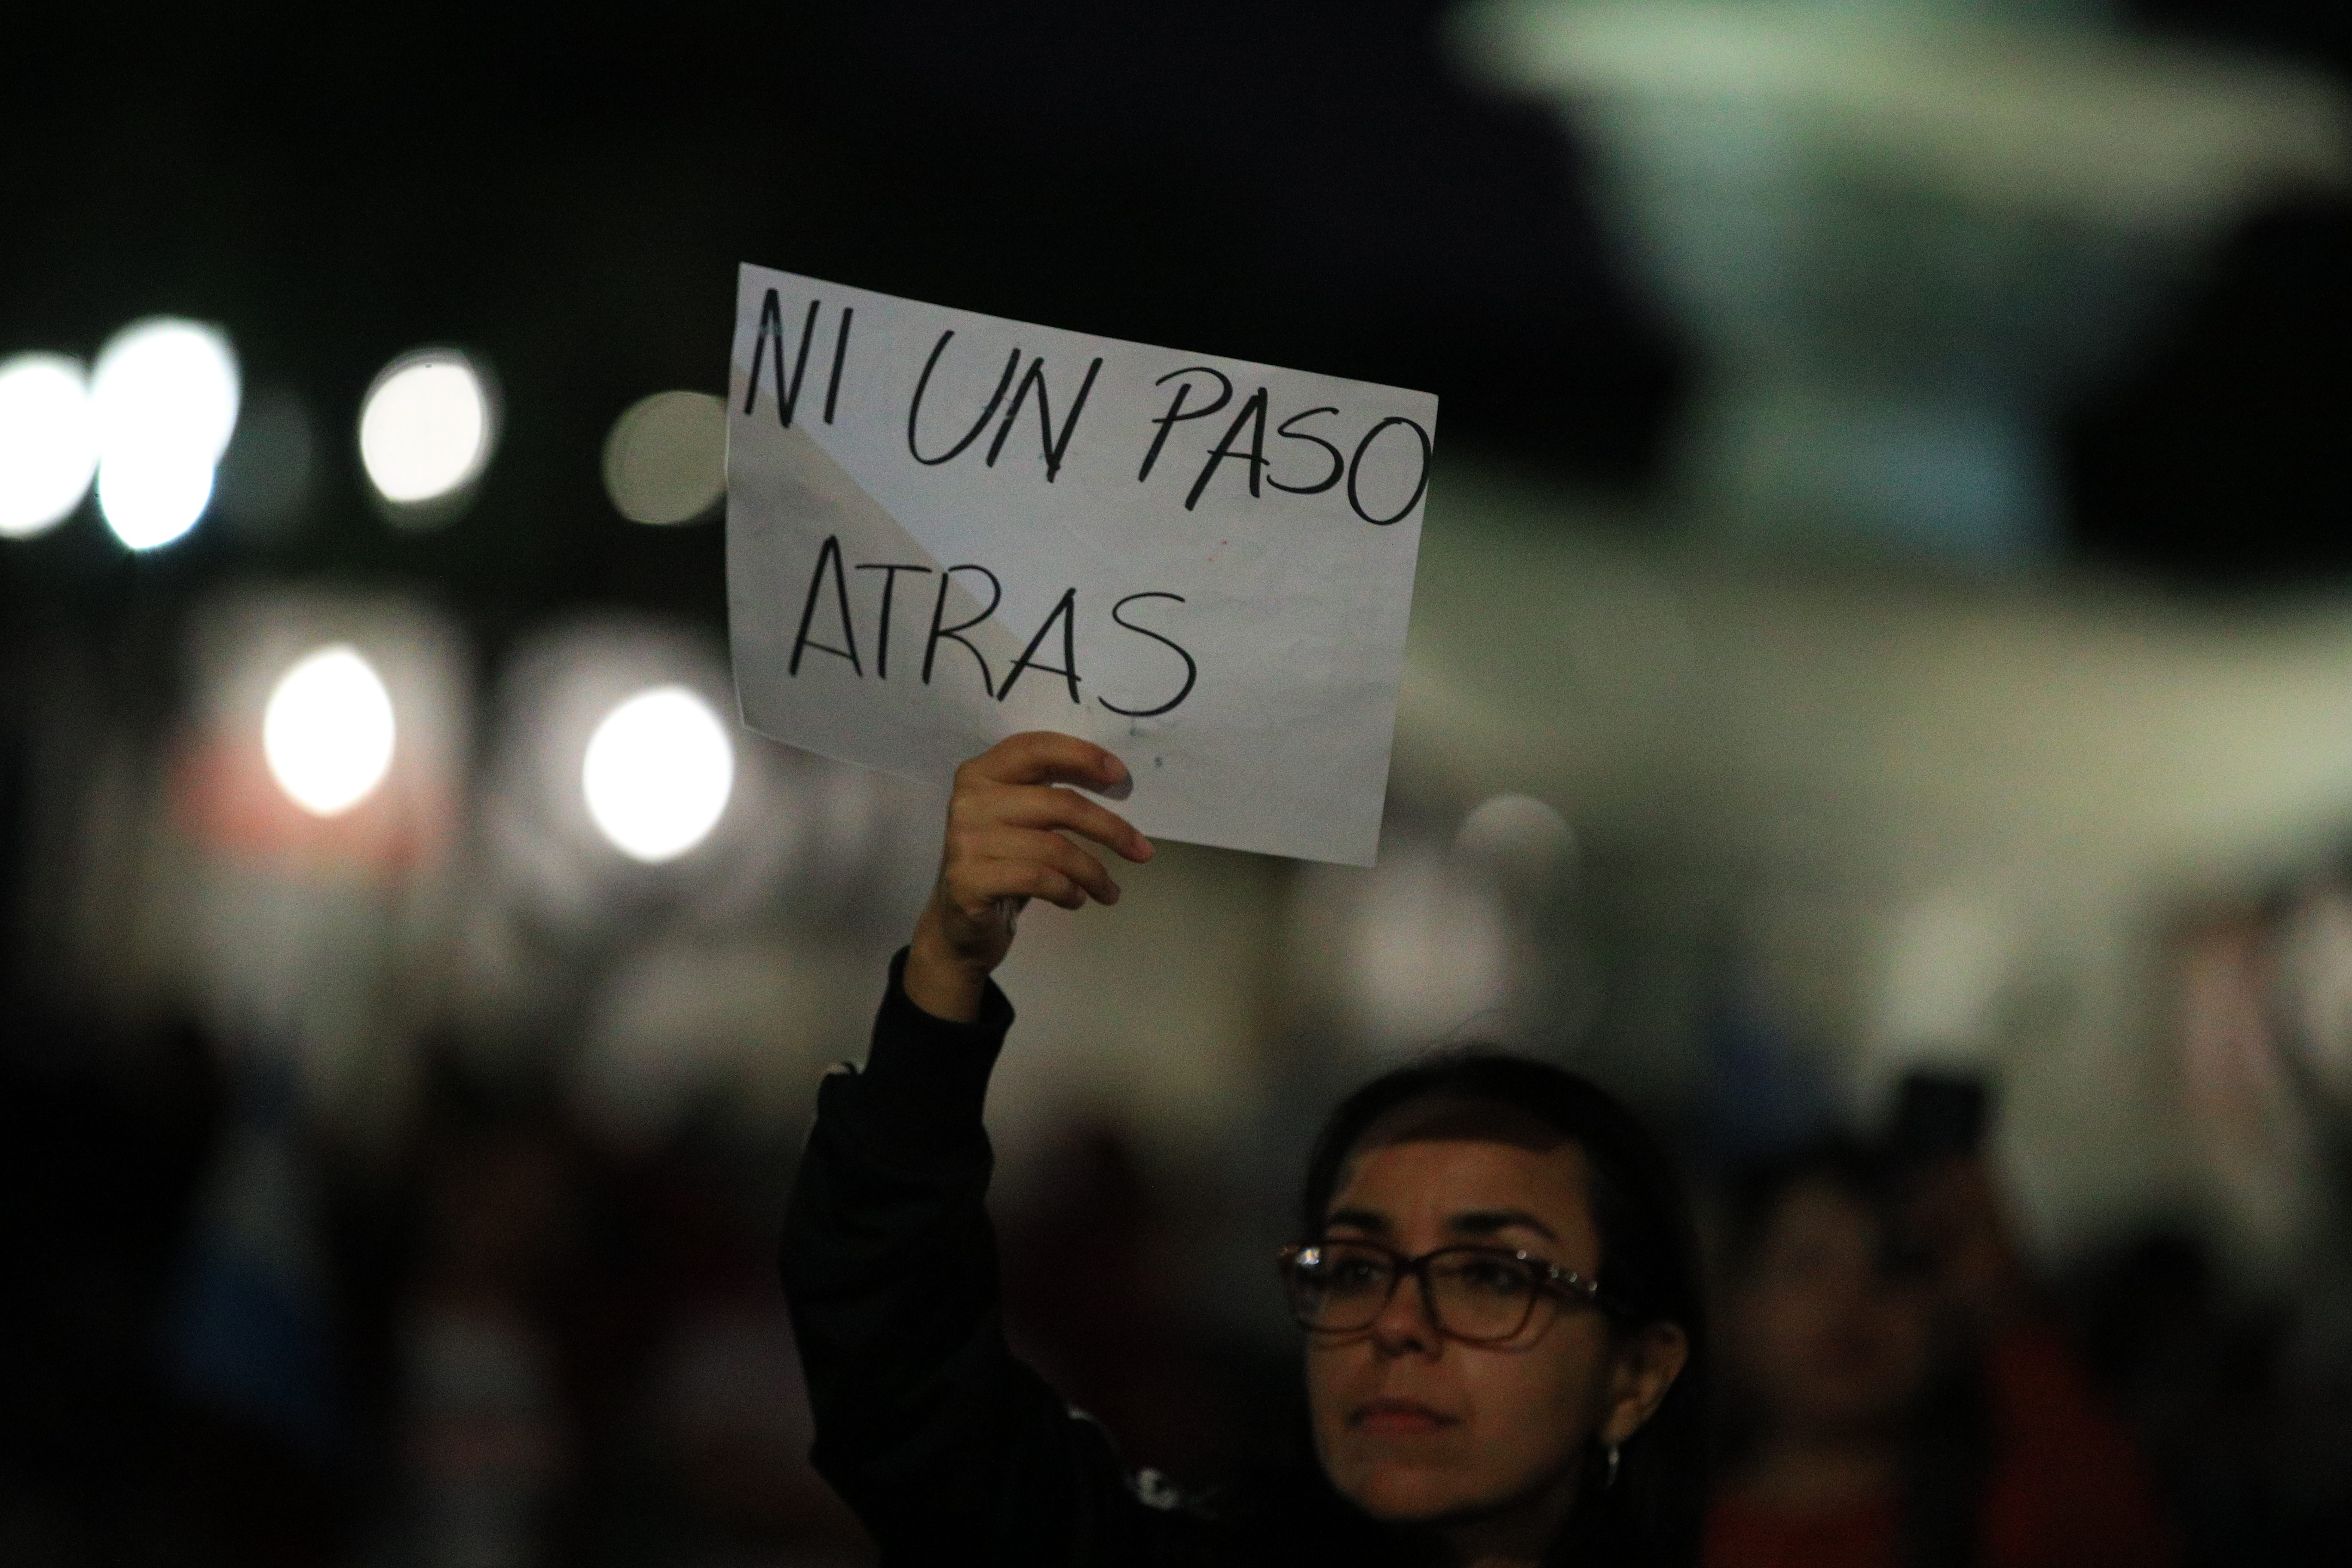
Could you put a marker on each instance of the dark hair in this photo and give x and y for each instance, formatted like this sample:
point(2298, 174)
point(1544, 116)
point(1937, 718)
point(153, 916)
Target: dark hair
point(1649, 1270)
point(1845, 1165)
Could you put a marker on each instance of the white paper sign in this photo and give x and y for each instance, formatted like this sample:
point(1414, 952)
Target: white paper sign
point(944, 527)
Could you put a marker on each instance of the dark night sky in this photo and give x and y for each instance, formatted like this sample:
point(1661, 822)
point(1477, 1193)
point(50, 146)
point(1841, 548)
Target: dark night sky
point(569, 192)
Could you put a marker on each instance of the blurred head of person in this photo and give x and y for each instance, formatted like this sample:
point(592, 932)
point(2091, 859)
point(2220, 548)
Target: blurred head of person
point(1830, 1332)
point(1506, 1344)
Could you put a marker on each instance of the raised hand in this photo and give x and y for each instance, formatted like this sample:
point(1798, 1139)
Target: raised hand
point(1005, 846)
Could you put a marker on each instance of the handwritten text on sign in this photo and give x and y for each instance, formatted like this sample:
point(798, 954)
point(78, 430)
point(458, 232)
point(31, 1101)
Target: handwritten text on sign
point(945, 527)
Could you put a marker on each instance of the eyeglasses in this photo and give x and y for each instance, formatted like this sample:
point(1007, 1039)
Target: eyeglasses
point(1479, 1295)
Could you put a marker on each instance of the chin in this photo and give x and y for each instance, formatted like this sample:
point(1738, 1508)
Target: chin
point(1395, 1493)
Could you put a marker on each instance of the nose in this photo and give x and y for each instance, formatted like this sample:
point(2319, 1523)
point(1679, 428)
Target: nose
point(1408, 1323)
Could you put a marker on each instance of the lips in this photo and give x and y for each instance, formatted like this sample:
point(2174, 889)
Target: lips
point(1400, 1419)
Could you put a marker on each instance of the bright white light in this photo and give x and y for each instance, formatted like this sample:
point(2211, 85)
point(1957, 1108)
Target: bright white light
point(425, 427)
point(657, 774)
point(153, 502)
point(48, 443)
point(164, 397)
point(327, 732)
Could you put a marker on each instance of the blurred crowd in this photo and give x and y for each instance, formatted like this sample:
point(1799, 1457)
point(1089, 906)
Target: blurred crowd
point(228, 1343)
point(509, 1346)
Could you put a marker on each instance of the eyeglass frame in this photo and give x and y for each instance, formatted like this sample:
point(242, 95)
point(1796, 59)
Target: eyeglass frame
point(1562, 1284)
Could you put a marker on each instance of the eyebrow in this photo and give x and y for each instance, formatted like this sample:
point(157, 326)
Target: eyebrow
point(1488, 1222)
point(1474, 1222)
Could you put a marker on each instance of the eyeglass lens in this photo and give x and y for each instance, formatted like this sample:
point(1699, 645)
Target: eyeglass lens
point(1336, 1288)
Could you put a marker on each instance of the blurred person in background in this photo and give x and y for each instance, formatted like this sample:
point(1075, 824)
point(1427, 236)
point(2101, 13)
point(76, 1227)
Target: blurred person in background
point(1504, 1349)
point(488, 1434)
point(1095, 1290)
point(1897, 1400)
point(2244, 1417)
point(710, 1468)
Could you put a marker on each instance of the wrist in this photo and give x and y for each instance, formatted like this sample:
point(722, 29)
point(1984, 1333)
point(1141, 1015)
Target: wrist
point(937, 979)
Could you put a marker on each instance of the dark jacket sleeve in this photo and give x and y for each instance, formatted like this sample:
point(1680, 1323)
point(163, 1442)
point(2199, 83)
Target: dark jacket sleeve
point(947, 1446)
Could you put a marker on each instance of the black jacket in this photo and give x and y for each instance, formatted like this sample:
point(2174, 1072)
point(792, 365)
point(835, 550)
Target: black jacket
point(948, 1448)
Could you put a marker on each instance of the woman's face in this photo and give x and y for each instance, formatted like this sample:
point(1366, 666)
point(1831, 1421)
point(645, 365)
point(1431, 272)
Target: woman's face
point(1827, 1340)
point(1414, 1426)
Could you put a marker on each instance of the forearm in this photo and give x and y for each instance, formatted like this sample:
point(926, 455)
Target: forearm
point(925, 1422)
point(888, 1258)
point(937, 979)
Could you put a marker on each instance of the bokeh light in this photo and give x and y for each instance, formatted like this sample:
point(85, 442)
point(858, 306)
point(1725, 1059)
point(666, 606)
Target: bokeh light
point(163, 398)
point(427, 428)
point(1517, 835)
point(666, 459)
point(658, 774)
point(48, 442)
point(151, 502)
point(1430, 951)
point(328, 731)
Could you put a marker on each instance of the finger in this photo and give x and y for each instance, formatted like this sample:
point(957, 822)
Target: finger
point(1028, 880)
point(977, 875)
point(1075, 863)
point(1044, 805)
point(1044, 756)
point(977, 818)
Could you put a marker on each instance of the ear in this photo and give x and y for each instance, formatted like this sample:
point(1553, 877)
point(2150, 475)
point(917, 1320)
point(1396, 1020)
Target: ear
point(1644, 1368)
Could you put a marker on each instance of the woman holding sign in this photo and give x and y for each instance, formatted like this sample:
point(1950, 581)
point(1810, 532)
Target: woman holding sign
point(1495, 1273)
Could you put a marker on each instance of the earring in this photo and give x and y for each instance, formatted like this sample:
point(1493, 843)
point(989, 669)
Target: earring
point(1612, 1469)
